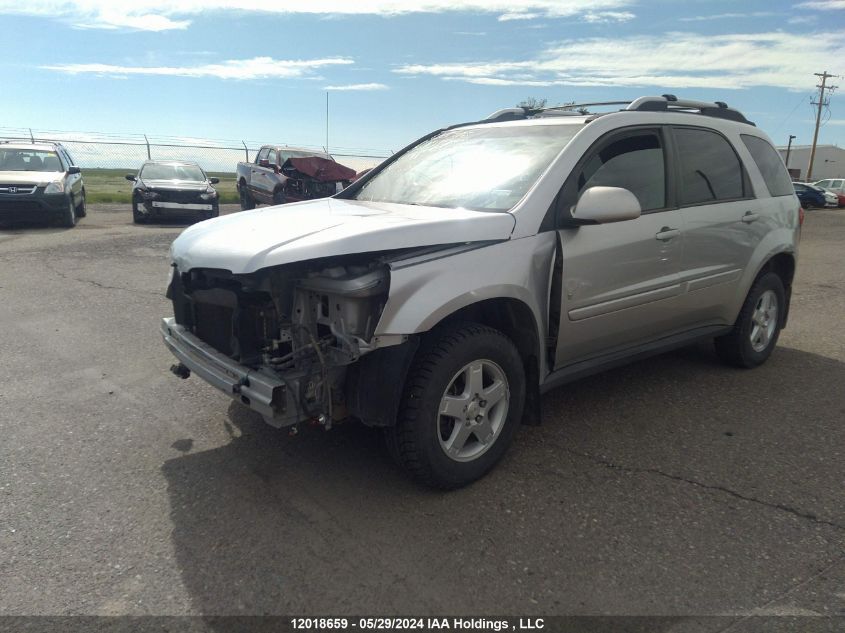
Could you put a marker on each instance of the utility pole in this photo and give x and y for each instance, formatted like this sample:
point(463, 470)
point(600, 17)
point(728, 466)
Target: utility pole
point(821, 102)
point(788, 148)
point(327, 121)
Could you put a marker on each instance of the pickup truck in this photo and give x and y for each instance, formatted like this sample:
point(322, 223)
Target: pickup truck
point(282, 174)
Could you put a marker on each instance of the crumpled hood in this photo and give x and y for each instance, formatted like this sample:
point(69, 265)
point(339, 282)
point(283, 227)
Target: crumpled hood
point(29, 177)
point(181, 185)
point(270, 236)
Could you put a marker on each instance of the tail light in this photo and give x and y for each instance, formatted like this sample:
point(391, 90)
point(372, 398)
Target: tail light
point(800, 216)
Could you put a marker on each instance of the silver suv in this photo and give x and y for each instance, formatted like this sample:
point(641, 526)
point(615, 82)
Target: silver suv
point(440, 295)
point(39, 182)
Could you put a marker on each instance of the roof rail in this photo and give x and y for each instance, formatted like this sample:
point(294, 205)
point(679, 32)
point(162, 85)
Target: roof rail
point(25, 139)
point(671, 103)
point(663, 103)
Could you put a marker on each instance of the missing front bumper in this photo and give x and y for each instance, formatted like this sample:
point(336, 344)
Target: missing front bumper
point(261, 391)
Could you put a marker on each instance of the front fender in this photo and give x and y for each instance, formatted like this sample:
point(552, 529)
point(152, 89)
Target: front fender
point(423, 294)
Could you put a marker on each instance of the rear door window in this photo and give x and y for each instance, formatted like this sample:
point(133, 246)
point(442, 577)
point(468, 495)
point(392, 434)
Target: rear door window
point(770, 165)
point(709, 169)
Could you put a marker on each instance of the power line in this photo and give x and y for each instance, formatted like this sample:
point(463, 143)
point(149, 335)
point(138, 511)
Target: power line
point(822, 102)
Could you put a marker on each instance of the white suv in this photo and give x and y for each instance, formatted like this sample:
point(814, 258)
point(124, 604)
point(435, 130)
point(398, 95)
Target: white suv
point(487, 263)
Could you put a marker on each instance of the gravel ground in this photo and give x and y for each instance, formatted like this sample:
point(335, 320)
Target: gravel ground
point(673, 486)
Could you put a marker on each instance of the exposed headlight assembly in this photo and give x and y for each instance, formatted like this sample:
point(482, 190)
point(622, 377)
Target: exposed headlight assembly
point(57, 186)
point(210, 194)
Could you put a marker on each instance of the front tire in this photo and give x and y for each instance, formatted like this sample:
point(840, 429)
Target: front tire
point(462, 403)
point(247, 201)
point(68, 219)
point(758, 325)
point(82, 209)
point(207, 215)
point(137, 216)
point(279, 197)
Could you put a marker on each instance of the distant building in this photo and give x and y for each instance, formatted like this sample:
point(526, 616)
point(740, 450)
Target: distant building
point(829, 161)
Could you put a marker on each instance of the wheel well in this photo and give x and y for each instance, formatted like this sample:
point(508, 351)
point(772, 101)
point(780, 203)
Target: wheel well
point(783, 265)
point(515, 320)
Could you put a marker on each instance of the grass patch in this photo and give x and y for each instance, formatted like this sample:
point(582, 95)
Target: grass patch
point(110, 185)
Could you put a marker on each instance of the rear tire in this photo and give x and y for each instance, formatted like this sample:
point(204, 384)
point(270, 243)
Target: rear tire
point(462, 403)
point(758, 325)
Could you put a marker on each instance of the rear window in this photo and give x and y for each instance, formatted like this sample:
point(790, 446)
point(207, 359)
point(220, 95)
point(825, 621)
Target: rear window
point(770, 165)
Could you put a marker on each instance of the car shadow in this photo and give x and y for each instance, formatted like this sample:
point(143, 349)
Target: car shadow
point(23, 228)
point(167, 222)
point(614, 504)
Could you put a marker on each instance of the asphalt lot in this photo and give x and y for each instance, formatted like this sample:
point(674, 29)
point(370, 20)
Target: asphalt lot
point(674, 486)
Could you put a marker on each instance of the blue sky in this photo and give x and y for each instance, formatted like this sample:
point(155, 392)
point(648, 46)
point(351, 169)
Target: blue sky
point(259, 70)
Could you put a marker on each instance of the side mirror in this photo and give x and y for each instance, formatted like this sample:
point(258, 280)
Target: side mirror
point(130, 177)
point(606, 204)
point(74, 170)
point(264, 163)
point(214, 180)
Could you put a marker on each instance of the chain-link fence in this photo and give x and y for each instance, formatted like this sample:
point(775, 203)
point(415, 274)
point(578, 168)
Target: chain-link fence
point(106, 158)
point(93, 150)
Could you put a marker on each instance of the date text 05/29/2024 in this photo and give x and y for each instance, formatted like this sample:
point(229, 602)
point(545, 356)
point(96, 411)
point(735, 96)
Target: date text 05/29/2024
point(417, 624)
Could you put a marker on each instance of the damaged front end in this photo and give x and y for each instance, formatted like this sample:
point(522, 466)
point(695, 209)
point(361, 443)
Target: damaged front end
point(279, 340)
point(314, 177)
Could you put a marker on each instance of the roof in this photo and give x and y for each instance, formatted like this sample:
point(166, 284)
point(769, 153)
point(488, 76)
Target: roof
point(171, 162)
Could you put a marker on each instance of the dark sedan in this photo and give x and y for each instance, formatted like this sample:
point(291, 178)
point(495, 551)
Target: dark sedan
point(808, 195)
point(173, 189)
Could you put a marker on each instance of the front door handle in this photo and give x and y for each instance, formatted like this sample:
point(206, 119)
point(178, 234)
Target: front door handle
point(665, 234)
point(750, 217)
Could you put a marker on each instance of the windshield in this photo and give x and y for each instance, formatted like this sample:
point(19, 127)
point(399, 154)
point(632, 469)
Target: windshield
point(172, 172)
point(29, 160)
point(284, 154)
point(487, 168)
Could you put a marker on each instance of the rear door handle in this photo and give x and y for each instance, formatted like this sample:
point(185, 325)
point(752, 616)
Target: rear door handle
point(665, 234)
point(750, 217)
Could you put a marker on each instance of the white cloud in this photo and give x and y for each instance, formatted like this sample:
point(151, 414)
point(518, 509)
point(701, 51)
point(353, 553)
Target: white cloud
point(159, 15)
point(349, 87)
point(146, 22)
point(670, 60)
point(255, 68)
point(608, 16)
point(519, 15)
point(726, 16)
point(822, 5)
